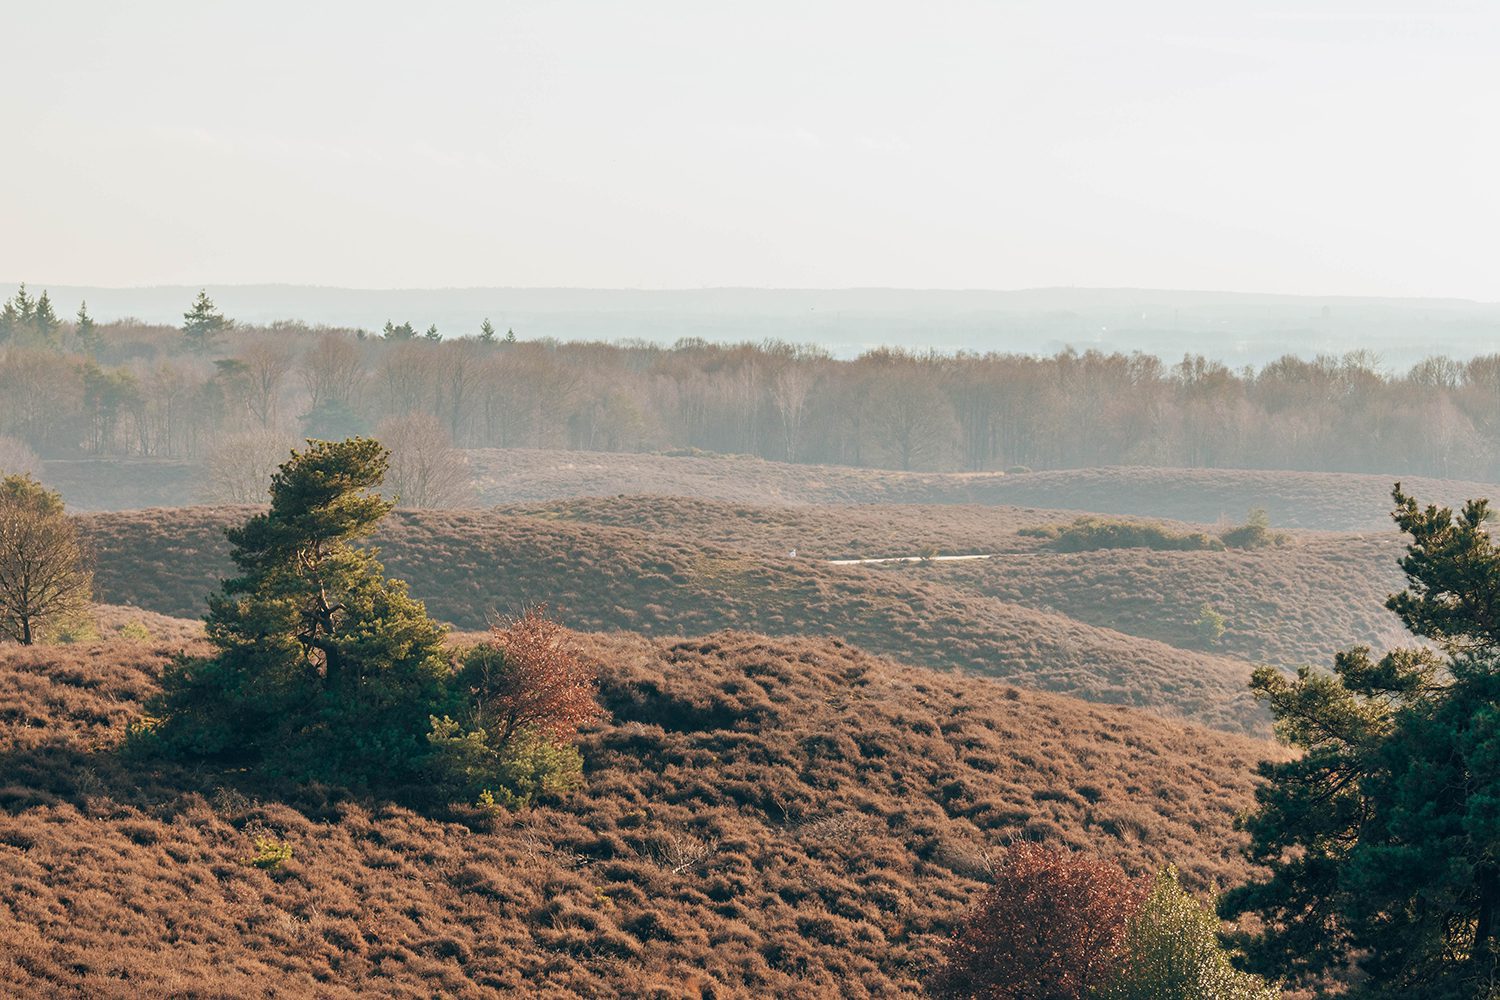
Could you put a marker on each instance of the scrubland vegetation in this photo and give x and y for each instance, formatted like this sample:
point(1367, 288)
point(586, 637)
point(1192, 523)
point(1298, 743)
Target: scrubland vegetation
point(784, 817)
point(471, 564)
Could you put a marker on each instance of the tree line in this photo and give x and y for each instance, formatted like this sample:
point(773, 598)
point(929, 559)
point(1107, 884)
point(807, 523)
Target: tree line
point(71, 388)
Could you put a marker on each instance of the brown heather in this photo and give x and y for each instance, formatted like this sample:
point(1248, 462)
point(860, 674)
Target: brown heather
point(467, 565)
point(762, 817)
point(1292, 604)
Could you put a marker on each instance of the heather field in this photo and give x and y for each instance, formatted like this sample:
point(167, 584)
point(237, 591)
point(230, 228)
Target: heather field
point(471, 566)
point(769, 817)
point(802, 777)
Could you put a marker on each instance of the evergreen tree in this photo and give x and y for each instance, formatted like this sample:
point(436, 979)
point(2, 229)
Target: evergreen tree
point(87, 331)
point(403, 332)
point(203, 323)
point(16, 316)
point(487, 332)
point(325, 668)
point(510, 336)
point(432, 333)
point(1382, 835)
point(25, 304)
point(44, 321)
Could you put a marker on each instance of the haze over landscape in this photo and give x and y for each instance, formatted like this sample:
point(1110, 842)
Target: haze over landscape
point(983, 501)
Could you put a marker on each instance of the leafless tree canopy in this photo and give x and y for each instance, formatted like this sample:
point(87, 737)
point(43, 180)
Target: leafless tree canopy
point(239, 469)
point(425, 469)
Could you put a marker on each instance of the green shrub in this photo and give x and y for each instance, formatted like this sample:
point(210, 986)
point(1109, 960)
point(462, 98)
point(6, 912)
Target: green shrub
point(136, 631)
point(527, 695)
point(1171, 951)
point(1255, 533)
point(270, 854)
point(74, 629)
point(1209, 626)
point(1090, 533)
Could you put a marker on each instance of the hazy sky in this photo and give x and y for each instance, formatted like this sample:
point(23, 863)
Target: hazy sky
point(1314, 147)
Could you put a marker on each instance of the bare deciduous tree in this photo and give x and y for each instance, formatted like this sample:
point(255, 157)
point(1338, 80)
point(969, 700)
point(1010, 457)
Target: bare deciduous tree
point(16, 459)
point(44, 572)
point(425, 469)
point(239, 470)
point(266, 364)
point(331, 369)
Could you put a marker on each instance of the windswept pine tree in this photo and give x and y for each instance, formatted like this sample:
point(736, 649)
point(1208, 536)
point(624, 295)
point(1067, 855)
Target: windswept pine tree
point(1381, 838)
point(325, 666)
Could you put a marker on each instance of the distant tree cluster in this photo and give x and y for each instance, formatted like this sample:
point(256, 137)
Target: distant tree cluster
point(1091, 533)
point(326, 669)
point(1062, 925)
point(70, 388)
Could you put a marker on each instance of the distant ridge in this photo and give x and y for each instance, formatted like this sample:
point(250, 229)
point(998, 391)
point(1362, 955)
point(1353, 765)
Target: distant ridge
point(1238, 327)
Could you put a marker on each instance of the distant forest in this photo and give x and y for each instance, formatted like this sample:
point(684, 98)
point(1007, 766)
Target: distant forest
point(73, 388)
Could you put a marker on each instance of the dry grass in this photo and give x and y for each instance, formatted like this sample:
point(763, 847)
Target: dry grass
point(467, 564)
point(762, 818)
point(1291, 604)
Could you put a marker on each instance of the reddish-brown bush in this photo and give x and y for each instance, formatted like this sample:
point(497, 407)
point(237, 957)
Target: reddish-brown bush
point(528, 677)
point(1048, 929)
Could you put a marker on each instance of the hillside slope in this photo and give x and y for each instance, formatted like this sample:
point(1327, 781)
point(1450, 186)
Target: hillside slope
point(762, 817)
point(1292, 604)
point(466, 565)
point(1325, 501)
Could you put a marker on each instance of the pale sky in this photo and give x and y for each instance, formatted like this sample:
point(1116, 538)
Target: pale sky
point(1302, 147)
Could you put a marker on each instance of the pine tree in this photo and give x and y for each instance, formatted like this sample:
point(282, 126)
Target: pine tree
point(1382, 835)
point(510, 336)
point(325, 667)
point(15, 316)
point(486, 332)
point(44, 321)
point(87, 331)
point(203, 323)
point(432, 333)
point(25, 304)
point(403, 332)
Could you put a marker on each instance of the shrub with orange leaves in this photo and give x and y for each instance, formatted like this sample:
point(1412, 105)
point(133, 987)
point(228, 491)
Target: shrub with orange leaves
point(1050, 928)
point(524, 696)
